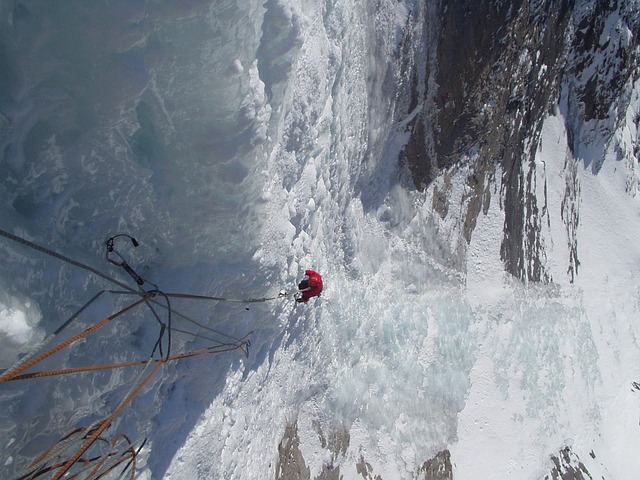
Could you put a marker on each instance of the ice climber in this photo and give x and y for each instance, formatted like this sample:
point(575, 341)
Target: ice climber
point(310, 286)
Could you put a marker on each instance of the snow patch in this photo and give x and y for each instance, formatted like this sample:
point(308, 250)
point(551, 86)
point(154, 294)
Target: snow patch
point(19, 329)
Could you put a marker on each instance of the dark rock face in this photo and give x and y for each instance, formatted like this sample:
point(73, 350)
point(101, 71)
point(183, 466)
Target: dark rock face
point(483, 75)
point(291, 464)
point(438, 468)
point(567, 466)
point(603, 61)
point(493, 72)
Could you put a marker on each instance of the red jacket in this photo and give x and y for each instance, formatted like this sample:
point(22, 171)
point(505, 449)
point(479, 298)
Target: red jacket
point(315, 284)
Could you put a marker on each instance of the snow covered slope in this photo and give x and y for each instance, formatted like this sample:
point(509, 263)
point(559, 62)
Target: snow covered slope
point(243, 142)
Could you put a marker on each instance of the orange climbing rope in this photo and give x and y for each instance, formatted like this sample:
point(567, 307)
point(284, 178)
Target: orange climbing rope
point(15, 371)
point(109, 366)
point(101, 464)
point(60, 468)
point(55, 460)
point(106, 422)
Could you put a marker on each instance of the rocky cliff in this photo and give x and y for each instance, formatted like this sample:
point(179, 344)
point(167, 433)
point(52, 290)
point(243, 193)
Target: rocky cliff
point(482, 76)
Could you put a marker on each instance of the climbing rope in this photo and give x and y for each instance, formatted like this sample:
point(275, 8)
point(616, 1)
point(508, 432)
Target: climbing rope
point(59, 256)
point(120, 450)
point(109, 462)
point(231, 300)
point(148, 298)
point(70, 261)
point(15, 373)
point(11, 373)
point(102, 465)
point(136, 277)
point(135, 389)
point(105, 464)
point(181, 315)
point(120, 261)
point(91, 368)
